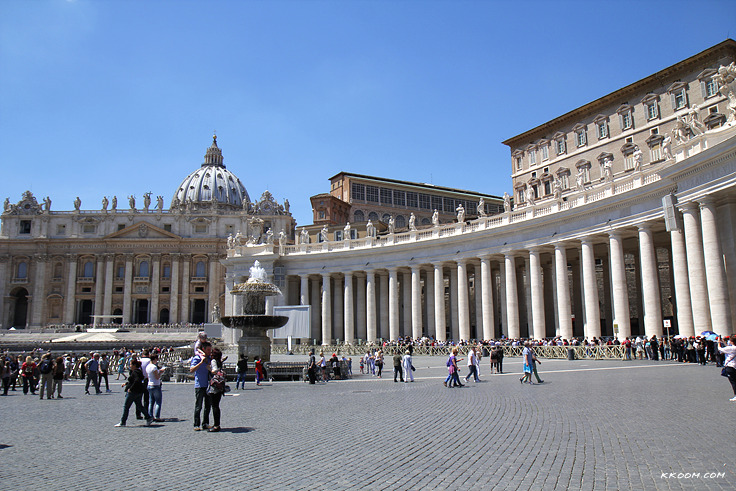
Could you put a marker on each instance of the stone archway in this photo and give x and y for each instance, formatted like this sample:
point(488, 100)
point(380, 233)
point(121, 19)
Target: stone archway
point(18, 317)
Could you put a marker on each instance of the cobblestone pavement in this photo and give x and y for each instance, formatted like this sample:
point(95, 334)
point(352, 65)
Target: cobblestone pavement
point(591, 425)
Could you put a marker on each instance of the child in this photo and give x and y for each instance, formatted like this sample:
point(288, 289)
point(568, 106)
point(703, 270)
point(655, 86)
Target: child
point(361, 365)
point(259, 370)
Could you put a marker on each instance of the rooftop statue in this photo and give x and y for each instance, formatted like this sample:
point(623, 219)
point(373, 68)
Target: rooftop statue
point(481, 207)
point(77, 204)
point(114, 203)
point(105, 202)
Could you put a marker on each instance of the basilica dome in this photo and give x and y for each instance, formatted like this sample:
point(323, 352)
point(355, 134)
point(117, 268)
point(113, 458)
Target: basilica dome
point(211, 184)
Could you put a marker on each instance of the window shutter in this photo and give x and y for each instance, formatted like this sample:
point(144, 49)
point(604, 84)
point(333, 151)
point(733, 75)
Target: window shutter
point(672, 98)
point(703, 89)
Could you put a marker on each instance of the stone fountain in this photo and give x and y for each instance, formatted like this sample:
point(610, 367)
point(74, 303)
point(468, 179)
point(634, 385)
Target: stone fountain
point(254, 322)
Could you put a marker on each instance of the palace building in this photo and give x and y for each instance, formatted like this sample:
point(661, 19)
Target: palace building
point(622, 224)
point(143, 264)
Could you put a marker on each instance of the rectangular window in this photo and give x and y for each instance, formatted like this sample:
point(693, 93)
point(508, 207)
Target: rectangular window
point(561, 147)
point(652, 110)
point(710, 88)
point(532, 157)
point(518, 163)
point(121, 271)
point(656, 152)
point(520, 195)
point(200, 228)
point(425, 203)
point(399, 198)
point(547, 188)
point(385, 196)
point(358, 191)
point(321, 215)
point(678, 100)
point(167, 227)
point(581, 138)
point(629, 162)
point(167, 271)
point(411, 199)
point(449, 205)
point(626, 121)
point(25, 227)
point(602, 130)
point(545, 152)
point(88, 228)
point(61, 229)
point(371, 194)
point(437, 203)
point(565, 181)
point(121, 226)
point(586, 174)
point(338, 234)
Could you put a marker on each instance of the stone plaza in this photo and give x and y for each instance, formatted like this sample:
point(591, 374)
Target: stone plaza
point(590, 425)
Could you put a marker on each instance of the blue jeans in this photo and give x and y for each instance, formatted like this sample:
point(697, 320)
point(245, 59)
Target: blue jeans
point(154, 401)
point(240, 379)
point(130, 398)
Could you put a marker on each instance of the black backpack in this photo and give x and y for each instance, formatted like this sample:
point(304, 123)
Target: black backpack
point(45, 367)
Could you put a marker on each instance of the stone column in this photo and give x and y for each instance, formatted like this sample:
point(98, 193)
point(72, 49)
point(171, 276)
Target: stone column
point(38, 301)
point(537, 293)
point(370, 306)
point(185, 282)
point(683, 307)
point(620, 291)
point(727, 233)
point(406, 328)
point(714, 272)
point(109, 272)
point(128, 289)
point(577, 292)
point(4, 279)
point(349, 316)
point(316, 304)
point(590, 289)
point(525, 292)
point(478, 302)
point(439, 303)
point(360, 314)
point(155, 288)
point(649, 282)
point(383, 326)
point(696, 268)
point(487, 297)
point(304, 290)
point(550, 298)
point(463, 314)
point(429, 300)
point(512, 299)
point(326, 309)
point(174, 293)
point(454, 325)
point(99, 285)
point(338, 312)
point(416, 302)
point(71, 284)
point(393, 304)
point(564, 313)
point(213, 286)
point(502, 300)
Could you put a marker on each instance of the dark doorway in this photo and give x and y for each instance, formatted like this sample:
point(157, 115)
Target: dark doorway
point(19, 306)
point(198, 312)
point(141, 311)
point(84, 316)
point(163, 317)
point(117, 320)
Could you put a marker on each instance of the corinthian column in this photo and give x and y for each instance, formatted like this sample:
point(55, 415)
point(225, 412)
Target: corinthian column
point(174, 316)
point(463, 317)
point(360, 314)
point(439, 304)
point(714, 272)
point(99, 284)
point(416, 302)
point(512, 297)
point(684, 309)
point(564, 313)
point(71, 283)
point(621, 313)
point(696, 268)
point(155, 288)
point(393, 305)
point(349, 316)
point(326, 309)
point(370, 308)
point(486, 297)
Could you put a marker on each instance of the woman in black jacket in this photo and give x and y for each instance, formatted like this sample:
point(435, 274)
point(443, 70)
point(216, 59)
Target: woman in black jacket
point(135, 386)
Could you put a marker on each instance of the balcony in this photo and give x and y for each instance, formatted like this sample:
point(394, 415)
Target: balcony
point(141, 279)
point(85, 279)
point(199, 279)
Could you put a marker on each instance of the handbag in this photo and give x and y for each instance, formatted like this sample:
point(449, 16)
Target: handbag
point(724, 373)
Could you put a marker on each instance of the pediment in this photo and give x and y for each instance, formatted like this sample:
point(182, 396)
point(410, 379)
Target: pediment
point(142, 230)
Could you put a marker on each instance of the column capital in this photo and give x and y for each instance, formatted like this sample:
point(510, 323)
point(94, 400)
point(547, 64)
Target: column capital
point(41, 258)
point(71, 257)
point(689, 207)
point(175, 256)
point(706, 201)
point(4, 258)
point(616, 234)
point(156, 256)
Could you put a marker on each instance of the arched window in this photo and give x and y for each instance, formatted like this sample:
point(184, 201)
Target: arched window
point(400, 221)
point(359, 216)
point(386, 217)
point(89, 269)
point(57, 270)
point(167, 270)
point(199, 270)
point(373, 216)
point(143, 269)
point(22, 270)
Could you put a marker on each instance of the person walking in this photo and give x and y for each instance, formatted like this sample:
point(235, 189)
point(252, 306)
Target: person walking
point(312, 368)
point(536, 361)
point(26, 371)
point(46, 368)
point(134, 388)
point(153, 374)
point(397, 366)
point(5, 371)
point(472, 366)
point(408, 367)
point(242, 370)
point(104, 370)
point(527, 357)
point(92, 368)
point(200, 367)
point(259, 369)
point(729, 366)
point(121, 366)
point(379, 363)
point(59, 373)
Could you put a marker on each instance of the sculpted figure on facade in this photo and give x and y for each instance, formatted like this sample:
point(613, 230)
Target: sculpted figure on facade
point(323, 234)
point(105, 203)
point(146, 200)
point(412, 222)
point(667, 147)
point(436, 218)
point(391, 225)
point(160, 203)
point(608, 170)
point(370, 229)
point(238, 239)
point(47, 204)
point(6, 204)
point(506, 202)
point(346, 230)
point(304, 236)
point(697, 127)
point(114, 203)
point(269, 236)
point(557, 188)
point(77, 204)
point(638, 157)
point(481, 207)
point(460, 213)
point(216, 313)
point(681, 130)
point(286, 206)
point(726, 80)
point(131, 202)
point(230, 241)
point(529, 195)
point(282, 242)
point(580, 180)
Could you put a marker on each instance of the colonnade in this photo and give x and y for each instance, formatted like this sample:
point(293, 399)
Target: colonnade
point(621, 282)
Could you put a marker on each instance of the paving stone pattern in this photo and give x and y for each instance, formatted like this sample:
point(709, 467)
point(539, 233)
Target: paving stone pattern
point(591, 425)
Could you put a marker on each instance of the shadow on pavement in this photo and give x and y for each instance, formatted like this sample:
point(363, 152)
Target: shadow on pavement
point(240, 429)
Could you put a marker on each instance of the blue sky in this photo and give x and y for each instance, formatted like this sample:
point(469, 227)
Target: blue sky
point(121, 97)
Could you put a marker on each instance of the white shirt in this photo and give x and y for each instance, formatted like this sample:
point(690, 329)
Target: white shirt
point(144, 365)
point(730, 352)
point(152, 380)
point(471, 358)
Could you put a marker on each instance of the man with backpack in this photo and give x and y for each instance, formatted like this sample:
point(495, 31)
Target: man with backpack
point(46, 367)
point(92, 367)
